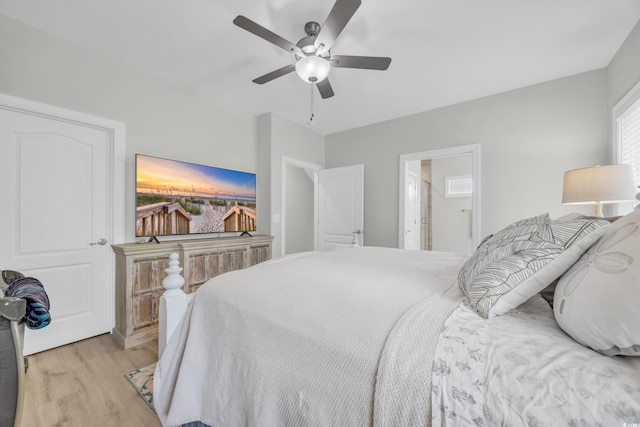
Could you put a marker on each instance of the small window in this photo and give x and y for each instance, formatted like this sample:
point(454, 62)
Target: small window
point(458, 186)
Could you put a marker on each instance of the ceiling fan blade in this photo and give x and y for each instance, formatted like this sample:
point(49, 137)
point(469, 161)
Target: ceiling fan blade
point(366, 62)
point(338, 18)
point(324, 87)
point(275, 74)
point(260, 31)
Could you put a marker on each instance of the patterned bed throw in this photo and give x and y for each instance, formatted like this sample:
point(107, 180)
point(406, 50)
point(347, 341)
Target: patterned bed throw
point(520, 369)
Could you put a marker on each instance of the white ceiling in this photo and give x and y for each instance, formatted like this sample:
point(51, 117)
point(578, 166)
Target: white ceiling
point(443, 51)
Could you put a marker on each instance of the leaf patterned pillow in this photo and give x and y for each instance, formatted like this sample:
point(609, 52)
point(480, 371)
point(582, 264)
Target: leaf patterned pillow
point(597, 301)
point(522, 259)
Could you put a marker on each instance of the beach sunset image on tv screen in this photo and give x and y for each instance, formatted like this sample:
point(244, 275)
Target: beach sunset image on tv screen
point(174, 197)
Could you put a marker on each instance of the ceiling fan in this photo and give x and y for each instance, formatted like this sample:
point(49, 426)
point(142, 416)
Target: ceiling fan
point(312, 53)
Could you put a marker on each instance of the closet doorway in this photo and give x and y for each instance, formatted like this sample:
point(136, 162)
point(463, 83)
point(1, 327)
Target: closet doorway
point(320, 208)
point(298, 204)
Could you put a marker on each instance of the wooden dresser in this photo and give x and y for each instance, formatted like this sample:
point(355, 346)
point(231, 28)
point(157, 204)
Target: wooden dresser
point(140, 272)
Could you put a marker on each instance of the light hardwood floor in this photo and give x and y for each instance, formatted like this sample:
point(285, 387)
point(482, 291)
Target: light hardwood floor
point(83, 384)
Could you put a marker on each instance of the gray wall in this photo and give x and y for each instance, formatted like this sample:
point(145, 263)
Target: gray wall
point(161, 119)
point(280, 138)
point(299, 234)
point(529, 138)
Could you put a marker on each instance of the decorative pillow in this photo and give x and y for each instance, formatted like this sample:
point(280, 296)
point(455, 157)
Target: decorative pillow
point(522, 259)
point(597, 301)
point(548, 292)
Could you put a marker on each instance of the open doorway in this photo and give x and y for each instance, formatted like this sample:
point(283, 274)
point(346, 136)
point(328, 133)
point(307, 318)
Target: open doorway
point(443, 197)
point(440, 199)
point(297, 210)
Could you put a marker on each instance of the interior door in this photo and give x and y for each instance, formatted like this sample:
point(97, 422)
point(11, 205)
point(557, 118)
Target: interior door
point(56, 220)
point(411, 240)
point(340, 207)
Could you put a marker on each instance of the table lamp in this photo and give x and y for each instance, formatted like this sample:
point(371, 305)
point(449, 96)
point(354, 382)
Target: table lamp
point(598, 185)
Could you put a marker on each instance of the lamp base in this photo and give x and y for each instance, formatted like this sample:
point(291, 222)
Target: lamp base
point(598, 210)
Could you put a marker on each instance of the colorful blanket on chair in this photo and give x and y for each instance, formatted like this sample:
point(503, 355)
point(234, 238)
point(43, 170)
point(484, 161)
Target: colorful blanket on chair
point(31, 290)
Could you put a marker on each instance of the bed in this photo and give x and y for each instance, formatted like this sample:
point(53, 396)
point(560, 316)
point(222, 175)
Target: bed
point(380, 336)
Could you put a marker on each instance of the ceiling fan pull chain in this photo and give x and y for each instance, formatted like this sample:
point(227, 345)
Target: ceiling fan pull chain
point(313, 86)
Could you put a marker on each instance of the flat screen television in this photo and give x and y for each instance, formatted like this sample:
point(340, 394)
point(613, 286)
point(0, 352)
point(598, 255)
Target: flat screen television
point(178, 198)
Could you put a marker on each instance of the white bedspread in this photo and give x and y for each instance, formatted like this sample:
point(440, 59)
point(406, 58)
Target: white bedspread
point(310, 341)
point(521, 369)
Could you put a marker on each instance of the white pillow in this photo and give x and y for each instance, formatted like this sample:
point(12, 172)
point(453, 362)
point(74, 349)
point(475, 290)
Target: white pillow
point(522, 259)
point(597, 302)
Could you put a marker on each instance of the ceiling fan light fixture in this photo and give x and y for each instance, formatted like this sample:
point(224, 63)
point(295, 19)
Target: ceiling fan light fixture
point(313, 69)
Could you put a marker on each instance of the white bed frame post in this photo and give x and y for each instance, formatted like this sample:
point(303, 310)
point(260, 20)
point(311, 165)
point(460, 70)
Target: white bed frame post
point(173, 302)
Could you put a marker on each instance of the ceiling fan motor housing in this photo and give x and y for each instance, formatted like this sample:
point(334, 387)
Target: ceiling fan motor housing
point(312, 28)
point(306, 44)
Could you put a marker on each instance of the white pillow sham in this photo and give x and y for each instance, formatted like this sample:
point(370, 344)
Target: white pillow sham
point(597, 301)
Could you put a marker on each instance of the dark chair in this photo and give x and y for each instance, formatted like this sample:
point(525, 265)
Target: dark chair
point(12, 368)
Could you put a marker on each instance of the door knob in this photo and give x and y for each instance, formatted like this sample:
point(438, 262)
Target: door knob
point(100, 242)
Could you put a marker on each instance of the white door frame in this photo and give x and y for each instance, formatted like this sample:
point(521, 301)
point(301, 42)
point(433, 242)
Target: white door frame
point(474, 150)
point(289, 161)
point(630, 98)
point(117, 165)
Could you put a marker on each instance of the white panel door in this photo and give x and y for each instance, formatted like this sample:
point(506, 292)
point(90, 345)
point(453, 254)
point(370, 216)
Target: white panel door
point(55, 179)
point(340, 206)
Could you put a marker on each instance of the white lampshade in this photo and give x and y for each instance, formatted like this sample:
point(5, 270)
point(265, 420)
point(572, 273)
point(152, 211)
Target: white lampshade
point(313, 69)
point(598, 185)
